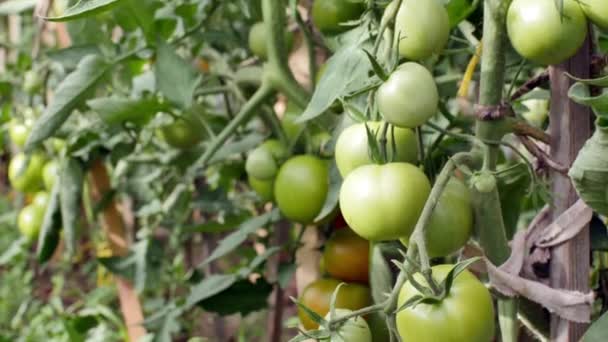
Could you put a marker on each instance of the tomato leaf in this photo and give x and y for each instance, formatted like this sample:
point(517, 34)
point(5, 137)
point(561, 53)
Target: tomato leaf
point(598, 331)
point(16, 6)
point(381, 277)
point(376, 67)
point(209, 287)
point(332, 301)
point(242, 297)
point(117, 111)
point(415, 300)
point(333, 195)
point(72, 180)
point(48, 240)
point(599, 82)
point(72, 91)
point(373, 146)
point(85, 8)
point(310, 313)
point(459, 10)
point(175, 78)
point(454, 272)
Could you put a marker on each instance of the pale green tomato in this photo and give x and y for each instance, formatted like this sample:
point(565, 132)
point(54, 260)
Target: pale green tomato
point(538, 111)
point(352, 148)
point(353, 330)
point(264, 188)
point(29, 221)
point(41, 200)
point(50, 173)
point(24, 176)
point(597, 12)
point(422, 28)
point(261, 165)
point(19, 131)
point(409, 97)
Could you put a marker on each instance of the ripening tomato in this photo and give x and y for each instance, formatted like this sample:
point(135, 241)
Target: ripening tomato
point(301, 187)
point(19, 131)
point(597, 12)
point(451, 223)
point(539, 32)
point(383, 202)
point(258, 38)
point(409, 97)
point(354, 330)
point(317, 297)
point(50, 173)
point(185, 132)
point(329, 15)
point(264, 188)
point(24, 176)
point(352, 146)
point(466, 314)
point(347, 248)
point(422, 28)
point(30, 220)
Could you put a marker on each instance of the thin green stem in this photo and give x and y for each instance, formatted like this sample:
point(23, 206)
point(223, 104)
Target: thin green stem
point(384, 141)
point(274, 124)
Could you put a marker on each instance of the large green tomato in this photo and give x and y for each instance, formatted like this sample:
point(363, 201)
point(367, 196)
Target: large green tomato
point(409, 97)
point(19, 131)
point(26, 178)
point(353, 330)
point(451, 224)
point(466, 314)
point(328, 15)
point(317, 297)
point(422, 28)
point(597, 12)
point(345, 247)
point(50, 173)
point(383, 202)
point(264, 188)
point(185, 132)
point(30, 220)
point(258, 39)
point(352, 146)
point(540, 33)
point(301, 187)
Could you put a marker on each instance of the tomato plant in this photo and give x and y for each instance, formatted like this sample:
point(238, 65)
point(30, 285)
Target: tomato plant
point(332, 16)
point(422, 29)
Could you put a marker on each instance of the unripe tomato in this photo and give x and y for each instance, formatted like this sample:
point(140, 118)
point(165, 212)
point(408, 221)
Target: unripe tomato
point(288, 123)
point(30, 179)
point(32, 82)
point(347, 248)
point(354, 330)
point(328, 15)
point(352, 146)
point(264, 188)
point(258, 38)
point(422, 28)
point(19, 131)
point(184, 133)
point(30, 220)
point(261, 165)
point(383, 202)
point(320, 142)
point(597, 12)
point(276, 148)
point(317, 297)
point(539, 32)
point(41, 200)
point(409, 97)
point(50, 172)
point(301, 187)
point(466, 314)
point(451, 223)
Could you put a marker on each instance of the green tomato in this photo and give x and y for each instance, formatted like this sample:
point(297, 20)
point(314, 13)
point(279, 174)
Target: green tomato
point(32, 82)
point(26, 178)
point(185, 132)
point(261, 165)
point(50, 173)
point(291, 128)
point(276, 148)
point(538, 111)
point(466, 314)
point(317, 297)
point(540, 33)
point(383, 202)
point(19, 131)
point(30, 220)
point(422, 28)
point(451, 223)
point(264, 188)
point(258, 38)
point(328, 15)
point(409, 97)
point(301, 187)
point(41, 200)
point(597, 12)
point(352, 146)
point(320, 143)
point(353, 330)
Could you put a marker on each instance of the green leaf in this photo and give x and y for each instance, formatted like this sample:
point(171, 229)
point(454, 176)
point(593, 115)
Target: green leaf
point(580, 93)
point(598, 235)
point(227, 223)
point(374, 145)
point(72, 91)
point(454, 272)
point(242, 297)
point(234, 240)
point(72, 179)
point(376, 67)
point(286, 272)
point(333, 194)
point(116, 111)
point(598, 331)
point(381, 277)
point(459, 10)
point(209, 287)
point(310, 313)
point(85, 8)
point(415, 300)
point(175, 78)
point(16, 6)
point(598, 82)
point(48, 240)
point(16, 248)
point(71, 56)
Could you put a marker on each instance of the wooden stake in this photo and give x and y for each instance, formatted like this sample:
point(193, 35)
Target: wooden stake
point(570, 128)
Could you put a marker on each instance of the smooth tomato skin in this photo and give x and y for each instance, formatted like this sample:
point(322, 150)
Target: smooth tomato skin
point(409, 97)
point(50, 173)
point(30, 220)
point(317, 297)
point(354, 330)
point(541, 34)
point(258, 38)
point(597, 12)
point(41, 200)
point(383, 202)
point(30, 180)
point(328, 15)
point(451, 223)
point(19, 132)
point(301, 187)
point(184, 133)
point(466, 314)
point(352, 146)
point(264, 188)
point(345, 247)
point(261, 164)
point(422, 28)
